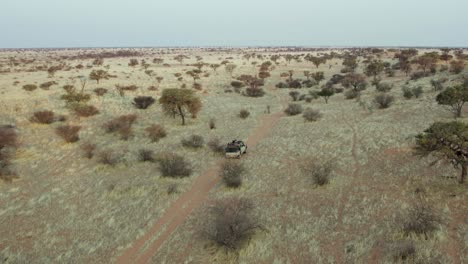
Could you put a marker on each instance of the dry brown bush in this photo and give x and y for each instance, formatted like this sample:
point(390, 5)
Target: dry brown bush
point(8, 144)
point(320, 172)
point(30, 87)
point(173, 165)
point(194, 141)
point(230, 222)
point(311, 114)
point(420, 219)
point(143, 102)
point(231, 173)
point(122, 125)
point(108, 157)
point(69, 133)
point(156, 132)
point(145, 155)
point(43, 117)
point(88, 149)
point(100, 91)
point(244, 113)
point(85, 110)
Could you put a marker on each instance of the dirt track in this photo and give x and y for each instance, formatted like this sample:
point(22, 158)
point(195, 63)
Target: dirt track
point(146, 246)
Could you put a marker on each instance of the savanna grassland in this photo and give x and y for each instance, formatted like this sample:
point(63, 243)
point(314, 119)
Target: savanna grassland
point(94, 153)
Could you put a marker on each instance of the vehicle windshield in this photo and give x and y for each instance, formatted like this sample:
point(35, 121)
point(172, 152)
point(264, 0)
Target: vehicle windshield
point(232, 149)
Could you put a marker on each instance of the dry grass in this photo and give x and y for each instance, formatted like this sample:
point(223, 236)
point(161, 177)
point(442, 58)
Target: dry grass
point(70, 207)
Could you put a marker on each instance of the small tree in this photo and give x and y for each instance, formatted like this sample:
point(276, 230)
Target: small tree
point(326, 93)
point(355, 81)
point(457, 66)
point(446, 141)
point(98, 75)
point(374, 68)
point(318, 76)
point(454, 97)
point(180, 101)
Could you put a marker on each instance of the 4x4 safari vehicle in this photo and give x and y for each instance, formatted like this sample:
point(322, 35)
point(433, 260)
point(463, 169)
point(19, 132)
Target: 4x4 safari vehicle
point(235, 149)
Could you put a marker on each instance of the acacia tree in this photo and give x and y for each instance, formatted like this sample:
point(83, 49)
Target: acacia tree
point(427, 61)
point(350, 62)
point(215, 66)
point(457, 66)
point(326, 93)
point(180, 102)
point(446, 141)
point(98, 75)
point(374, 68)
point(356, 81)
point(316, 60)
point(318, 76)
point(454, 97)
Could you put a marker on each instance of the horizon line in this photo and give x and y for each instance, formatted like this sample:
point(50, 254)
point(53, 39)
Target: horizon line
point(234, 47)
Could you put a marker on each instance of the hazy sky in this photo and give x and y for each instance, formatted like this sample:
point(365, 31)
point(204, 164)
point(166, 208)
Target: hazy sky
point(97, 23)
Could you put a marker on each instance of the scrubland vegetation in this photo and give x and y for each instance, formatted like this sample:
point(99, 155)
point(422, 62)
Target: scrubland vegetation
point(357, 155)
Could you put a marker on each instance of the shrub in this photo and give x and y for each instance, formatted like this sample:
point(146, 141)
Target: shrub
point(100, 91)
point(407, 92)
point(437, 85)
point(8, 137)
point(76, 97)
point(293, 109)
point(69, 88)
point(320, 172)
point(419, 75)
point(143, 102)
point(173, 165)
point(85, 110)
point(231, 173)
point(294, 95)
point(47, 85)
point(311, 114)
point(194, 141)
point(314, 94)
point(8, 143)
point(237, 84)
point(212, 123)
point(172, 188)
point(145, 155)
point(43, 117)
point(108, 157)
point(230, 222)
point(417, 91)
point(216, 146)
point(156, 132)
point(295, 84)
point(254, 92)
point(351, 94)
point(122, 125)
point(197, 86)
point(384, 100)
point(281, 85)
point(30, 87)
point(88, 149)
point(244, 113)
point(420, 219)
point(384, 87)
point(69, 133)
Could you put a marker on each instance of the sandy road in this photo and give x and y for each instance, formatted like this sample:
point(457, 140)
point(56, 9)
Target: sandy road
point(147, 245)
